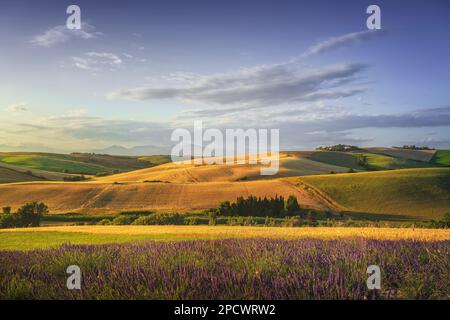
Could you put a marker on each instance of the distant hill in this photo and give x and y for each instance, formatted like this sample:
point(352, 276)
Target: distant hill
point(418, 155)
point(368, 161)
point(77, 163)
point(8, 175)
point(11, 173)
point(149, 183)
point(133, 151)
point(291, 164)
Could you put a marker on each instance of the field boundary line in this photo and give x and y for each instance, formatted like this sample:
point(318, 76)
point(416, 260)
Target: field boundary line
point(318, 193)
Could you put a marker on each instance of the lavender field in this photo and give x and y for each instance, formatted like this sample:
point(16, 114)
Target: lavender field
point(231, 269)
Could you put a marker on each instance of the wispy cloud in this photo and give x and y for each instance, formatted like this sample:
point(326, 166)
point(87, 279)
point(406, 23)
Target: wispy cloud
point(430, 117)
point(93, 61)
point(341, 41)
point(17, 107)
point(299, 105)
point(262, 86)
point(61, 34)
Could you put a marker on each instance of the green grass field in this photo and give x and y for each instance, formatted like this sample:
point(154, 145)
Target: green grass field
point(374, 161)
point(43, 240)
point(442, 157)
point(79, 163)
point(157, 159)
point(8, 175)
point(14, 173)
point(384, 162)
point(341, 159)
point(56, 163)
point(423, 193)
point(54, 236)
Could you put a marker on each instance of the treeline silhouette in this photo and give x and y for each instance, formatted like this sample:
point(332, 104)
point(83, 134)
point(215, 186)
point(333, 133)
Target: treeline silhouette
point(263, 207)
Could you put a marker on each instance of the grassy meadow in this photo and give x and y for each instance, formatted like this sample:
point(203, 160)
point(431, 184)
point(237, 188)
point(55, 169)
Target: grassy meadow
point(423, 193)
point(54, 236)
point(78, 163)
point(442, 157)
point(375, 161)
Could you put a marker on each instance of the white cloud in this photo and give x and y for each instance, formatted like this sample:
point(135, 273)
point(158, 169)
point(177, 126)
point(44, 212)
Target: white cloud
point(17, 107)
point(257, 87)
point(340, 41)
point(264, 85)
point(61, 34)
point(94, 61)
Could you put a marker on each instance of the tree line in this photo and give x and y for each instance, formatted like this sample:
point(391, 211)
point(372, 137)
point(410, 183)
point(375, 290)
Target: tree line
point(29, 215)
point(262, 207)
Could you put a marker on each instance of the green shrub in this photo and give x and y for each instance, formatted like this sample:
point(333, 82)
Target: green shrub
point(193, 221)
point(446, 219)
point(242, 221)
point(29, 215)
point(7, 221)
point(250, 221)
point(160, 219)
point(123, 220)
point(293, 222)
point(212, 218)
point(104, 222)
point(311, 220)
point(362, 160)
point(270, 222)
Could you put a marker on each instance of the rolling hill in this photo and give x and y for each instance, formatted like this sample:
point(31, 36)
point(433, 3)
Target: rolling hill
point(8, 176)
point(291, 164)
point(417, 155)
point(11, 173)
point(422, 193)
point(111, 198)
point(442, 157)
point(43, 164)
point(183, 187)
point(375, 161)
point(171, 187)
point(343, 159)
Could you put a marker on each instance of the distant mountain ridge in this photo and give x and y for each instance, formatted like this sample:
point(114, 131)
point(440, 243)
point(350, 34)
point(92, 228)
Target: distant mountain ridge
point(133, 151)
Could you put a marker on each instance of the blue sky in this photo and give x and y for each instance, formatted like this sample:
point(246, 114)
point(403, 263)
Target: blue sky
point(139, 69)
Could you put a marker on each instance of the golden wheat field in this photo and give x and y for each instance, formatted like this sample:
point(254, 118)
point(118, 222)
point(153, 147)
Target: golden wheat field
point(110, 198)
point(171, 187)
point(187, 187)
point(290, 163)
point(252, 232)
